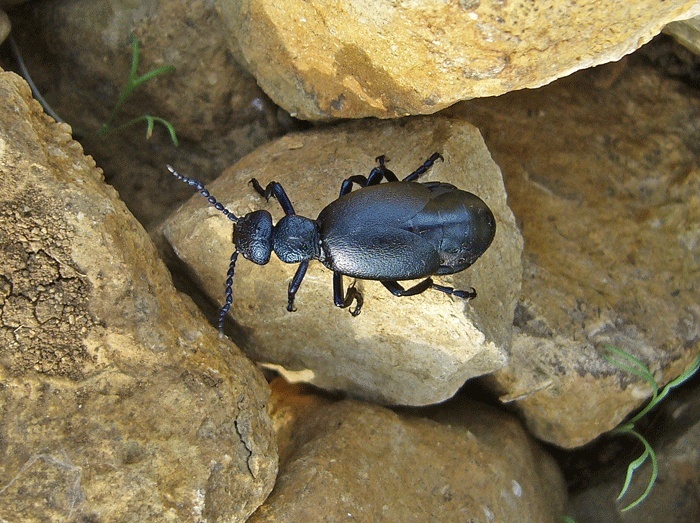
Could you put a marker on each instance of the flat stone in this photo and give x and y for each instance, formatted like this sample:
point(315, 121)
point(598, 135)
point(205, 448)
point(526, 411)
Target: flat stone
point(411, 350)
point(326, 59)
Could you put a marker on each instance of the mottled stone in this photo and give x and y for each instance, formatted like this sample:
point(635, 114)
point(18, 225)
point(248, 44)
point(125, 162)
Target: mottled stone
point(602, 172)
point(118, 401)
point(342, 460)
point(411, 350)
point(325, 59)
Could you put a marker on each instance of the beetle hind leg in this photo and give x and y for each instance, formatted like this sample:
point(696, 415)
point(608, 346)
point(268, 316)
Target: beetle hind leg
point(424, 168)
point(397, 289)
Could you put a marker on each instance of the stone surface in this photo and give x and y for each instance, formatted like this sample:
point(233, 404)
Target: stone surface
point(347, 460)
point(412, 350)
point(79, 54)
point(118, 401)
point(602, 171)
point(687, 32)
point(327, 59)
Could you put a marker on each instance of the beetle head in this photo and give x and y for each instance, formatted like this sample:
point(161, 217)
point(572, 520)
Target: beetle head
point(252, 236)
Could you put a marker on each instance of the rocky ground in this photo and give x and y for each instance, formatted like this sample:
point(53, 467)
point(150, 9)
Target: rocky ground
point(121, 403)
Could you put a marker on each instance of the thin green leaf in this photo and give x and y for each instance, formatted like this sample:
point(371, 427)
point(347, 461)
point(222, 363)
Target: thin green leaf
point(149, 129)
point(135, 57)
point(164, 69)
point(638, 368)
point(681, 379)
point(133, 83)
point(648, 453)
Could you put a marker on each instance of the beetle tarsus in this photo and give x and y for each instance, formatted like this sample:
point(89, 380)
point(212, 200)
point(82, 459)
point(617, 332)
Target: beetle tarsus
point(465, 295)
point(424, 168)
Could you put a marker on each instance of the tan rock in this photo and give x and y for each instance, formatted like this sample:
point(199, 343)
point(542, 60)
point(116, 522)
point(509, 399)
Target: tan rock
point(345, 460)
point(118, 401)
point(602, 173)
point(412, 350)
point(333, 59)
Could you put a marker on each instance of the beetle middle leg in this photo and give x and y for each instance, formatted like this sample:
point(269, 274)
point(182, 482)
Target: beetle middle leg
point(351, 295)
point(397, 289)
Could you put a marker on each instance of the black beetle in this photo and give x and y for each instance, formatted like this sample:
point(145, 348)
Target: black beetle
point(401, 230)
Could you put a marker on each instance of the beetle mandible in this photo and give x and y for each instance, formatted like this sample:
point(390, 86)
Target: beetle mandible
point(401, 230)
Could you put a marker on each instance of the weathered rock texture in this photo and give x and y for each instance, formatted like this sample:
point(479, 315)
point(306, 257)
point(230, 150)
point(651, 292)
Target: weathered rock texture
point(351, 460)
point(603, 174)
point(412, 350)
point(79, 54)
point(117, 402)
point(324, 59)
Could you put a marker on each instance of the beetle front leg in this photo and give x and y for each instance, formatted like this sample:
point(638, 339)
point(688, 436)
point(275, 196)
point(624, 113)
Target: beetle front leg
point(346, 301)
point(274, 189)
point(295, 283)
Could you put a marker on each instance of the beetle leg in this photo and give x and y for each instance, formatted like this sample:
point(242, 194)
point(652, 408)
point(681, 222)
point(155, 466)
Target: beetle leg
point(274, 189)
point(295, 283)
point(423, 168)
point(379, 172)
point(397, 289)
point(346, 186)
point(229, 293)
point(466, 295)
point(352, 294)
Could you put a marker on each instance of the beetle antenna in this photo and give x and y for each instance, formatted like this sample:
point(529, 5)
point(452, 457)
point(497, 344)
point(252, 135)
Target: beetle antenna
point(204, 192)
point(229, 292)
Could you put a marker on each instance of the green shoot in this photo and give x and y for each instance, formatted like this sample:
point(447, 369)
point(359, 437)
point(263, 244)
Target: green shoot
point(132, 84)
point(629, 363)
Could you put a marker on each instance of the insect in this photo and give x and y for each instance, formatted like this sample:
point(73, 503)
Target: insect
point(400, 230)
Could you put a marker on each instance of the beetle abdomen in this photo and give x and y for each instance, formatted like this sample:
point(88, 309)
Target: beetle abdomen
point(404, 230)
point(457, 223)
